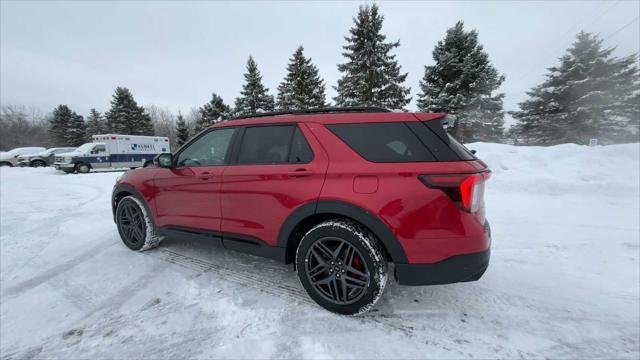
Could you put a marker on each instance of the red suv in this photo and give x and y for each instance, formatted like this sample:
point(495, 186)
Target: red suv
point(341, 193)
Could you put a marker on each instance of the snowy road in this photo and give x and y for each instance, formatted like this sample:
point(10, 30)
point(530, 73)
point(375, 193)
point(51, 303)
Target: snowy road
point(563, 280)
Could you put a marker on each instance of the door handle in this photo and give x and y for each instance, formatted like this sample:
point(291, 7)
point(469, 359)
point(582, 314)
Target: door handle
point(205, 175)
point(300, 173)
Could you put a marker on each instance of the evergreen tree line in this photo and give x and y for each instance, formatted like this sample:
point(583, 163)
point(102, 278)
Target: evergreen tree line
point(591, 94)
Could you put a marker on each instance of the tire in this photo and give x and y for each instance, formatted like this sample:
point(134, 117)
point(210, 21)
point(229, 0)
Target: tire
point(6, 163)
point(135, 226)
point(83, 168)
point(340, 254)
point(38, 163)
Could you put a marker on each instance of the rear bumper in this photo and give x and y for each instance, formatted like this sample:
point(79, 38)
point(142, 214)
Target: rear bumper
point(460, 268)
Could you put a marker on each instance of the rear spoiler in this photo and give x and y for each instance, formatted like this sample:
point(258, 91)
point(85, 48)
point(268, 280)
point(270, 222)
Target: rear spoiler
point(445, 119)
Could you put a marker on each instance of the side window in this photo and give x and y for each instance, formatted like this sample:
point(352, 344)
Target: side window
point(266, 145)
point(210, 149)
point(301, 152)
point(383, 142)
point(99, 149)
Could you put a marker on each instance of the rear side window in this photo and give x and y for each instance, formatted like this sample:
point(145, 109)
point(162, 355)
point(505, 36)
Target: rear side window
point(301, 152)
point(383, 142)
point(279, 144)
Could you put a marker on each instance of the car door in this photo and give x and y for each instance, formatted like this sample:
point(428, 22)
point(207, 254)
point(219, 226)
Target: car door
point(274, 170)
point(100, 157)
point(188, 195)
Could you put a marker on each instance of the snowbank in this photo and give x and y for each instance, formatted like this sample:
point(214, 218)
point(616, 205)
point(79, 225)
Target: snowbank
point(563, 280)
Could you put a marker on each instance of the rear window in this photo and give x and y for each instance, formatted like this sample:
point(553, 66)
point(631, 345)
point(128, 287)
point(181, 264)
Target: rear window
point(277, 144)
point(300, 152)
point(383, 142)
point(266, 145)
point(401, 142)
point(460, 149)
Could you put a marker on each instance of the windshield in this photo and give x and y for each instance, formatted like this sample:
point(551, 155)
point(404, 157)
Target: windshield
point(85, 148)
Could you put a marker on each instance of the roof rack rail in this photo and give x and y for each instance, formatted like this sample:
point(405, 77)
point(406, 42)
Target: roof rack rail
point(317, 111)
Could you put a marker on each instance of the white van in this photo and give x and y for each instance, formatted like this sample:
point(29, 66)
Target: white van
point(113, 151)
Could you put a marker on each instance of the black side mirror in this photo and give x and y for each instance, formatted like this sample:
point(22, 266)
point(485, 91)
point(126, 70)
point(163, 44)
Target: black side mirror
point(164, 160)
point(473, 152)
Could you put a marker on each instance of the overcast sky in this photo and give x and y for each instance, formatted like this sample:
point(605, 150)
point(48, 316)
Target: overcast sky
point(174, 54)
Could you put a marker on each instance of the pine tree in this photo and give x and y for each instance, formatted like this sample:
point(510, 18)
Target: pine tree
point(76, 133)
point(254, 97)
point(126, 117)
point(59, 124)
point(182, 130)
point(212, 112)
point(66, 128)
point(302, 87)
point(95, 124)
point(371, 76)
point(462, 83)
point(591, 94)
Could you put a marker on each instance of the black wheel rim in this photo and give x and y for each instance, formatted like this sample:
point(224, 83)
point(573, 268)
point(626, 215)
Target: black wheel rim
point(132, 224)
point(337, 271)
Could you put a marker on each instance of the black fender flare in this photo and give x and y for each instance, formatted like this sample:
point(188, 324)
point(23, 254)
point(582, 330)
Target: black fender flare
point(366, 218)
point(120, 188)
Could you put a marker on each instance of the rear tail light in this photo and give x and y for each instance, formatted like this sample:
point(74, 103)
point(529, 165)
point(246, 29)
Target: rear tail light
point(466, 190)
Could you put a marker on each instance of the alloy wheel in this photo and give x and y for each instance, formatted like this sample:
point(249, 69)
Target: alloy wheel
point(132, 224)
point(337, 271)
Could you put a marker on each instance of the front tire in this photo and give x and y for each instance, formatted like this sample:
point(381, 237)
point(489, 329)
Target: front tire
point(342, 266)
point(38, 163)
point(6, 163)
point(83, 168)
point(135, 226)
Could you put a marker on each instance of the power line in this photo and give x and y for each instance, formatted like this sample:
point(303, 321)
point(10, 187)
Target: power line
point(622, 28)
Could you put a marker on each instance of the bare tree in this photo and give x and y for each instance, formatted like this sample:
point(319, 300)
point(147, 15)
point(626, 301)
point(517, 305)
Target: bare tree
point(164, 123)
point(192, 118)
point(21, 126)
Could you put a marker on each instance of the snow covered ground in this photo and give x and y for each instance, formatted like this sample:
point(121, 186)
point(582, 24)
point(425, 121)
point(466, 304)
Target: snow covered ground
point(563, 280)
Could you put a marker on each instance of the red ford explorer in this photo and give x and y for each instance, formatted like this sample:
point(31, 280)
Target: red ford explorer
point(340, 192)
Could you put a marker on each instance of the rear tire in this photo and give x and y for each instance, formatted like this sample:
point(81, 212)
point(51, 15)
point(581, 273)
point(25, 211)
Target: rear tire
point(135, 226)
point(5, 163)
point(83, 168)
point(342, 266)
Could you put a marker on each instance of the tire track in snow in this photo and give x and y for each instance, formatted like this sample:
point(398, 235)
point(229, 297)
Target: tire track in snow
point(44, 223)
point(55, 271)
point(127, 292)
point(257, 280)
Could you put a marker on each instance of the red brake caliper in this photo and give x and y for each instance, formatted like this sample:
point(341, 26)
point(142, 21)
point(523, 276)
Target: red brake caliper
point(357, 263)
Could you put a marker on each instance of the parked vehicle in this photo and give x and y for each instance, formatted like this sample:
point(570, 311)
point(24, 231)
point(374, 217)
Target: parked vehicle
point(113, 151)
point(10, 158)
point(339, 192)
point(44, 158)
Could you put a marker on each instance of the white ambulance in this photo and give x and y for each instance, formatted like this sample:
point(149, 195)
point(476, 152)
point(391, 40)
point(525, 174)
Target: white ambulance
point(113, 151)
